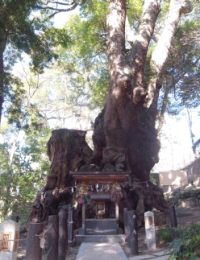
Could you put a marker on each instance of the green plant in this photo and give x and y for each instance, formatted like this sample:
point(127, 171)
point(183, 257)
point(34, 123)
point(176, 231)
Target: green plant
point(187, 244)
point(164, 235)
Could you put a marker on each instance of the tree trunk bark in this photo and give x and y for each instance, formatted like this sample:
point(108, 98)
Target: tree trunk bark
point(138, 53)
point(1, 83)
point(67, 151)
point(163, 109)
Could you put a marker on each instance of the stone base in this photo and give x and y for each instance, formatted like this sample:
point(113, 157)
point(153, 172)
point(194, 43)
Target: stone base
point(8, 255)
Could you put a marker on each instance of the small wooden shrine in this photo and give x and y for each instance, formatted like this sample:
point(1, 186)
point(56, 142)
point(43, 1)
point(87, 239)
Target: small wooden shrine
point(99, 187)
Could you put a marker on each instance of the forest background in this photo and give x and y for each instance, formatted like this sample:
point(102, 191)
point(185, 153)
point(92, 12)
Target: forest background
point(55, 76)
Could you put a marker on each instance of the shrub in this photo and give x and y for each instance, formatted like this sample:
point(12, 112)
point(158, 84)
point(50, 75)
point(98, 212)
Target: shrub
point(164, 235)
point(187, 244)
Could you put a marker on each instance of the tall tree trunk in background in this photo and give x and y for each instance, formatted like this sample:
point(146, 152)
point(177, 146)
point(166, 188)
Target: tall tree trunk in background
point(163, 110)
point(1, 83)
point(3, 39)
point(138, 53)
point(190, 125)
point(161, 52)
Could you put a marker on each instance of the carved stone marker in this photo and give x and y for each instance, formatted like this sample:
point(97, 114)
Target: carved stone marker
point(9, 235)
point(150, 230)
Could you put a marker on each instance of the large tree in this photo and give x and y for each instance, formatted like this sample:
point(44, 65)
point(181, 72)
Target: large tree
point(134, 84)
point(125, 134)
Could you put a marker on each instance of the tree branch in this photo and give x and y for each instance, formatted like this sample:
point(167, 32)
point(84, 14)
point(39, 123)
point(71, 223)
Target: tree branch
point(57, 10)
point(160, 54)
point(138, 53)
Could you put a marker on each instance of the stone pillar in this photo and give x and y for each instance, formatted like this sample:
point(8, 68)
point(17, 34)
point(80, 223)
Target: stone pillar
point(33, 249)
point(150, 230)
point(62, 237)
point(9, 235)
point(51, 238)
point(117, 211)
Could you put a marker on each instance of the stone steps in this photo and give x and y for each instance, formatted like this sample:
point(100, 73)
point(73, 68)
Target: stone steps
point(100, 227)
point(99, 238)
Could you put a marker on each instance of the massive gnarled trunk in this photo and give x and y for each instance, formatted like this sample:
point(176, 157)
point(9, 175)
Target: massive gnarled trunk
point(125, 137)
point(128, 119)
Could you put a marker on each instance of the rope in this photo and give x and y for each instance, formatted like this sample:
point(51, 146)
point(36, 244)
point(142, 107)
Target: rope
point(6, 240)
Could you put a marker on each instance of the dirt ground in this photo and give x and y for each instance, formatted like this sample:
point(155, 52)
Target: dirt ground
point(183, 219)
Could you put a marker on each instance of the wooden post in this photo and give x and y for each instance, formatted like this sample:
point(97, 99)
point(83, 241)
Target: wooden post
point(70, 224)
point(133, 236)
point(51, 237)
point(172, 216)
point(83, 217)
point(17, 218)
point(62, 237)
point(33, 249)
point(125, 225)
point(173, 220)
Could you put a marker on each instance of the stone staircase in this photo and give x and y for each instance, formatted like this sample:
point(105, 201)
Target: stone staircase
point(100, 231)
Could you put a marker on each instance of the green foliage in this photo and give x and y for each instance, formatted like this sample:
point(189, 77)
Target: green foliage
point(134, 11)
point(182, 76)
point(27, 170)
point(184, 194)
point(100, 90)
point(154, 178)
point(25, 30)
point(23, 159)
point(187, 245)
point(85, 61)
point(164, 235)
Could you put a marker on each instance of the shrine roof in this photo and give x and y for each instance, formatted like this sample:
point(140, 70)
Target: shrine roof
point(101, 176)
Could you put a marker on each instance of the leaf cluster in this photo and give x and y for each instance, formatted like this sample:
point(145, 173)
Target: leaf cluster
point(181, 80)
point(184, 194)
point(27, 170)
point(164, 235)
point(187, 245)
point(85, 60)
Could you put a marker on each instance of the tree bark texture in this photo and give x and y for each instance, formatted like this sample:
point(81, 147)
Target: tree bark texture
point(63, 236)
point(67, 150)
point(51, 238)
point(33, 249)
point(1, 83)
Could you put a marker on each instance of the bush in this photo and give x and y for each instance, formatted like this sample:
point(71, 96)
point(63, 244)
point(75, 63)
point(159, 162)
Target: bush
point(187, 245)
point(164, 235)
